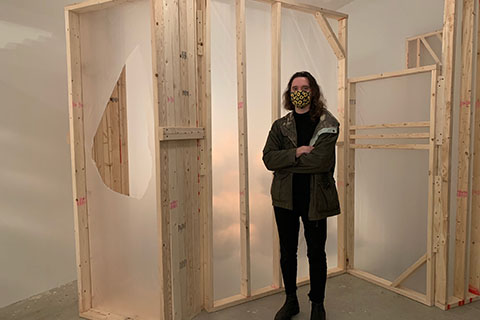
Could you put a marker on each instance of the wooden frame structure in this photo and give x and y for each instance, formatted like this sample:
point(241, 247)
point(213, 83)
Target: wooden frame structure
point(182, 109)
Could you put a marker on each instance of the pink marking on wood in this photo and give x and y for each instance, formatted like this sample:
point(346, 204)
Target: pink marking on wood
point(240, 105)
point(77, 104)
point(173, 204)
point(462, 194)
point(170, 99)
point(476, 192)
point(81, 201)
point(465, 103)
point(473, 290)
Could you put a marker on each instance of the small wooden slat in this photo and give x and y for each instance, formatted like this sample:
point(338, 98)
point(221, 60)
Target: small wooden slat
point(422, 124)
point(276, 112)
point(343, 150)
point(391, 146)
point(94, 314)
point(464, 150)
point(387, 75)
point(414, 267)
point(77, 148)
point(418, 52)
point(474, 278)
point(391, 136)
point(350, 223)
point(122, 93)
point(443, 226)
point(414, 295)
point(330, 35)
point(290, 4)
point(245, 286)
point(430, 50)
point(432, 169)
point(176, 133)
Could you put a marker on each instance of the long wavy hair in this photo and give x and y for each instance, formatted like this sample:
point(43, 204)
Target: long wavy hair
point(318, 102)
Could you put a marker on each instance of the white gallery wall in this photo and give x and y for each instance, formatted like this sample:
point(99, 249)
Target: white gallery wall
point(36, 217)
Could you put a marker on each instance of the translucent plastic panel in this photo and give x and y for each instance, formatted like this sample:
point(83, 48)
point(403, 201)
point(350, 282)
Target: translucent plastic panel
point(123, 233)
point(259, 123)
point(226, 200)
point(391, 186)
point(304, 47)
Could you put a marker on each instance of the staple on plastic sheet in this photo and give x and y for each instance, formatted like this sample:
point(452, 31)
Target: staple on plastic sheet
point(123, 235)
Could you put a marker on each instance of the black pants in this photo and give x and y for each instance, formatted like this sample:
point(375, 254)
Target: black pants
point(288, 224)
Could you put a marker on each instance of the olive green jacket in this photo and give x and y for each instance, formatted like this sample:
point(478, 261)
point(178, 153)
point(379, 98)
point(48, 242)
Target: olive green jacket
point(279, 156)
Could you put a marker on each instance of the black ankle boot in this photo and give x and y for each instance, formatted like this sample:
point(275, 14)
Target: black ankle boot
point(318, 312)
point(289, 308)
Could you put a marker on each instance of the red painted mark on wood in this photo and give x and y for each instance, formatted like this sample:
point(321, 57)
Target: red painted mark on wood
point(242, 193)
point(462, 194)
point(81, 201)
point(477, 103)
point(448, 307)
point(77, 104)
point(240, 105)
point(461, 303)
point(170, 99)
point(173, 204)
point(471, 300)
point(464, 103)
point(473, 290)
point(476, 192)
point(340, 183)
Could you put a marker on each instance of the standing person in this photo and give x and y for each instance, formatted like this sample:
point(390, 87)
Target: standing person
point(300, 150)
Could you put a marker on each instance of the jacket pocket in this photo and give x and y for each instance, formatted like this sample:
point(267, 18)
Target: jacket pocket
point(326, 192)
point(279, 186)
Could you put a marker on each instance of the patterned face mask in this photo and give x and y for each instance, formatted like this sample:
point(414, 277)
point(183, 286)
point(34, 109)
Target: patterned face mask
point(300, 99)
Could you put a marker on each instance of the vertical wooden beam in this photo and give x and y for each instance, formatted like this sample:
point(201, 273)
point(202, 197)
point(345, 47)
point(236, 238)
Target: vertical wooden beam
point(432, 163)
point(474, 279)
point(276, 112)
point(77, 148)
point(418, 52)
point(122, 94)
point(342, 152)
point(467, 103)
point(442, 221)
point(407, 53)
point(243, 146)
point(161, 156)
point(350, 192)
point(205, 147)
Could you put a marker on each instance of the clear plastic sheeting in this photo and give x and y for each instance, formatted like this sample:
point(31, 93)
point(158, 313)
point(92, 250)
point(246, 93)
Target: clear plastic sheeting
point(123, 233)
point(304, 47)
point(391, 186)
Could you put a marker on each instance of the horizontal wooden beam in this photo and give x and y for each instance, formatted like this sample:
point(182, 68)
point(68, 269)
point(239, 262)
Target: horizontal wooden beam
point(94, 5)
point(395, 74)
point(425, 135)
point(425, 35)
point(391, 146)
point(260, 293)
point(414, 267)
point(422, 124)
point(290, 4)
point(180, 133)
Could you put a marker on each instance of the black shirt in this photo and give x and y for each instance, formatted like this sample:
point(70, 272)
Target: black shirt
point(301, 181)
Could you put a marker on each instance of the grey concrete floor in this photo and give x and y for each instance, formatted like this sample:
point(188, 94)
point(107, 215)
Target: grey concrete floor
point(348, 298)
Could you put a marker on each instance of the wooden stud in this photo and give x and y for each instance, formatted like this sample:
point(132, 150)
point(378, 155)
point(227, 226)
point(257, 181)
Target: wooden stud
point(177, 133)
point(418, 52)
point(432, 169)
point(391, 146)
point(93, 5)
point(443, 223)
point(343, 151)
point(337, 48)
point(391, 136)
point(243, 147)
point(474, 276)
point(276, 112)
point(290, 4)
point(464, 150)
point(350, 223)
point(77, 148)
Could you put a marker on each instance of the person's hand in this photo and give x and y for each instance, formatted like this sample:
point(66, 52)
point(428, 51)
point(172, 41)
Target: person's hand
point(303, 149)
